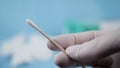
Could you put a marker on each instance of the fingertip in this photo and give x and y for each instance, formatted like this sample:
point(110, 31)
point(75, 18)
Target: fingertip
point(72, 51)
point(62, 60)
point(51, 46)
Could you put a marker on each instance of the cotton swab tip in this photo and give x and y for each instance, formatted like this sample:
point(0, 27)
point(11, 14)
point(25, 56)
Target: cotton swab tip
point(31, 23)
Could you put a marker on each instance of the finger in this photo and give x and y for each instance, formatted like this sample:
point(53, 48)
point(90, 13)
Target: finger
point(96, 49)
point(73, 39)
point(64, 62)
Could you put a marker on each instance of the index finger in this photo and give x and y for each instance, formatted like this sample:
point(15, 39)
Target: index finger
point(74, 39)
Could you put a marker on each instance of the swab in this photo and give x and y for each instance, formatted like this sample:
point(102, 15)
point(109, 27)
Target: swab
point(31, 23)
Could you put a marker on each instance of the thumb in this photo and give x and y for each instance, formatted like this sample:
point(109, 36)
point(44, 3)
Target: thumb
point(90, 52)
point(96, 49)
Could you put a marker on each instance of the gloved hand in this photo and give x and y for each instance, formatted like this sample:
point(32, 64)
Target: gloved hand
point(89, 48)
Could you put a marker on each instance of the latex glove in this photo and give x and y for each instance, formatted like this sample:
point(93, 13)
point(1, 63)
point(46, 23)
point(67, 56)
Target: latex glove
point(88, 48)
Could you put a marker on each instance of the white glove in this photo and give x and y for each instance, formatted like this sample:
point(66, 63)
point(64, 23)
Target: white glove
point(88, 48)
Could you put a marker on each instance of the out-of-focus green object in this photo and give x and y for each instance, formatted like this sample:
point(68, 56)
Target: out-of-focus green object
point(75, 27)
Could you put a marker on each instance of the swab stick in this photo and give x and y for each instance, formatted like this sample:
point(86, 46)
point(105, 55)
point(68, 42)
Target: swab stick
point(38, 29)
point(31, 23)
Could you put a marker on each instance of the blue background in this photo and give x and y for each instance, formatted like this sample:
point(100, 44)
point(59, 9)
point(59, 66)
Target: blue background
point(50, 15)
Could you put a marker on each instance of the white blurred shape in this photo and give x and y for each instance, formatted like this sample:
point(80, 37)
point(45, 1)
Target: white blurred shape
point(109, 25)
point(26, 49)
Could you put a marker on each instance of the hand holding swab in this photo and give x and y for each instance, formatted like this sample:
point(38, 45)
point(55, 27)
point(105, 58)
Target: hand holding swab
point(31, 23)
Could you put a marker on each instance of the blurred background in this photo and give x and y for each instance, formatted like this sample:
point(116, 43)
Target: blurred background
point(23, 47)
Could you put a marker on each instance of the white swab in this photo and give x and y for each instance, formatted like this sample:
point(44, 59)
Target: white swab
point(31, 23)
